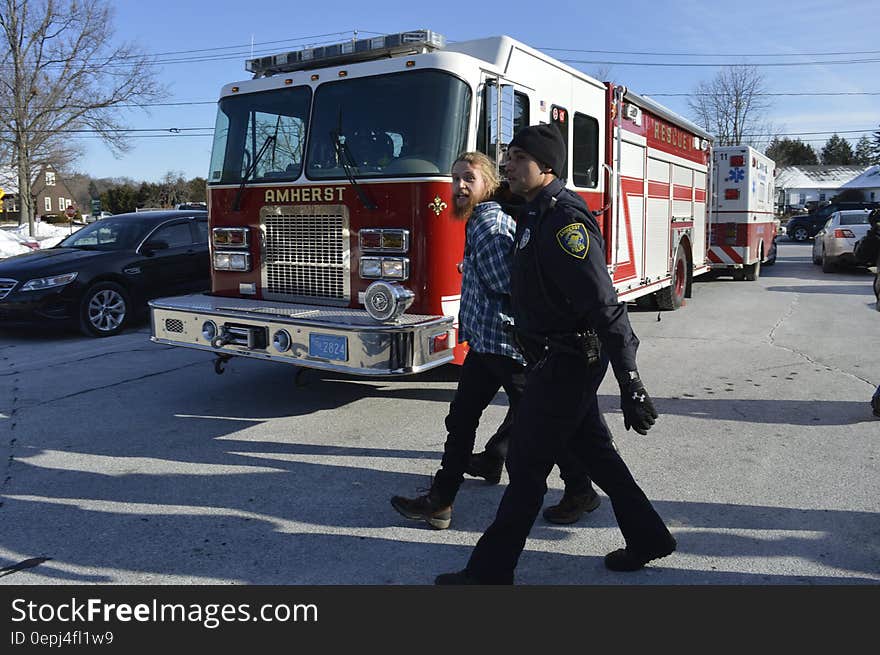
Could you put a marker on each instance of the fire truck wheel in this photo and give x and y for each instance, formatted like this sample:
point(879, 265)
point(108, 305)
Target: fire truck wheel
point(672, 297)
point(103, 310)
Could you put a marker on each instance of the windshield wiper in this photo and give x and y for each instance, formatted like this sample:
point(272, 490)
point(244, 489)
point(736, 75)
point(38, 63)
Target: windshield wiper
point(346, 160)
point(236, 205)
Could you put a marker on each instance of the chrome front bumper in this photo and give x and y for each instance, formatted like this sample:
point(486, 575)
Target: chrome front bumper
point(373, 348)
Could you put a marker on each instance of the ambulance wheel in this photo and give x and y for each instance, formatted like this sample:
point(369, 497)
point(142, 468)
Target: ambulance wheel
point(753, 271)
point(771, 258)
point(672, 297)
point(739, 274)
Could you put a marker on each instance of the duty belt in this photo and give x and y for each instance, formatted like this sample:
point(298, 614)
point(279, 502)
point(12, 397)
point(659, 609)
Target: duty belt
point(535, 347)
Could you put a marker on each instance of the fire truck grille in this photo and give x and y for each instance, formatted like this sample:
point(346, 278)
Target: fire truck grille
point(307, 254)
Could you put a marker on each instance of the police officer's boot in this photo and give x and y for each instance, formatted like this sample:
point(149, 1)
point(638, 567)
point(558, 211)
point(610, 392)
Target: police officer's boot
point(572, 507)
point(628, 559)
point(485, 465)
point(434, 507)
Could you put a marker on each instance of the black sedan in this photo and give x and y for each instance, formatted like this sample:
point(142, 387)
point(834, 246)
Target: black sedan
point(103, 274)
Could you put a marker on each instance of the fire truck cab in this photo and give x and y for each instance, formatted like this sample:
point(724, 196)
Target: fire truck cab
point(333, 243)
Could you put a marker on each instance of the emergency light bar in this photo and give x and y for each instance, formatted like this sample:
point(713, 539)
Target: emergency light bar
point(348, 51)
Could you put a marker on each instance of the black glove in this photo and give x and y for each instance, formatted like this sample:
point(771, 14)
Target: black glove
point(638, 410)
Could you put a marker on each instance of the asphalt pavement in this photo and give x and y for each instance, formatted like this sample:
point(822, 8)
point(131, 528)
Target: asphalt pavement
point(128, 462)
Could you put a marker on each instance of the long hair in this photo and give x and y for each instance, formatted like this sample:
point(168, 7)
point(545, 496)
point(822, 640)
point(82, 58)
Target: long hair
point(486, 166)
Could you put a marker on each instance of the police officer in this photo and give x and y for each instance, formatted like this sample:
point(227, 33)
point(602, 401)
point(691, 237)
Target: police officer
point(562, 297)
point(867, 252)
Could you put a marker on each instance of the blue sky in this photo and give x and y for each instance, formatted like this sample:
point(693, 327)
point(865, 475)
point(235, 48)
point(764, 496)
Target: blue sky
point(745, 31)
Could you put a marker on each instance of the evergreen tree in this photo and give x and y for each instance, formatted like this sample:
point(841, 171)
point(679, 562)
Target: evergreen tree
point(837, 151)
point(865, 154)
point(791, 152)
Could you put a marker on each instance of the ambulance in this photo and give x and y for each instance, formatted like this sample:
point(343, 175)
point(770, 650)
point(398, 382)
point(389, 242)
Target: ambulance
point(333, 242)
point(744, 225)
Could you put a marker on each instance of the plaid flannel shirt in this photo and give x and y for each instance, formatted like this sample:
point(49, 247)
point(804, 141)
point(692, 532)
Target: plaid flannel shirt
point(485, 284)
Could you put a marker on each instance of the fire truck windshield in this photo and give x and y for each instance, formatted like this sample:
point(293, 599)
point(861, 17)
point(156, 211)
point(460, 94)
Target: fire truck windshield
point(271, 123)
point(402, 124)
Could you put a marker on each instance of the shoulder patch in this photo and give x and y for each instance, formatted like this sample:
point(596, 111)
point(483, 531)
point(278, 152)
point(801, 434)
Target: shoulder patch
point(574, 240)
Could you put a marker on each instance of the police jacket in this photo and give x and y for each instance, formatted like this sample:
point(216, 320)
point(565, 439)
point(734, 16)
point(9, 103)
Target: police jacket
point(559, 279)
point(867, 249)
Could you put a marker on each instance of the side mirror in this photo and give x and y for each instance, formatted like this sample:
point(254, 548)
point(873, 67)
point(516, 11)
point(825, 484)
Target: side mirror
point(499, 118)
point(152, 246)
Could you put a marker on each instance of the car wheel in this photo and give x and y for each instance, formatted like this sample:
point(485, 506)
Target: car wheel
point(800, 234)
point(828, 265)
point(104, 309)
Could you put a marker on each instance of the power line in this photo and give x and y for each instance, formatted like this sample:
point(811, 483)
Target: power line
point(715, 65)
point(715, 54)
point(779, 94)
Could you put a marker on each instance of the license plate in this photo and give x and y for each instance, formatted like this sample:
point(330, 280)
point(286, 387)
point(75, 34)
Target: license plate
point(328, 346)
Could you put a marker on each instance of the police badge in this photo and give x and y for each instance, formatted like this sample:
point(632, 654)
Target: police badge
point(574, 240)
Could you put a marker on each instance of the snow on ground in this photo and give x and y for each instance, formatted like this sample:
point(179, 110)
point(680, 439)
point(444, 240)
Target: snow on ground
point(10, 246)
point(46, 233)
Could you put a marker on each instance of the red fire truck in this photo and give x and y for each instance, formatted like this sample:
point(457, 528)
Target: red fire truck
point(744, 227)
point(333, 243)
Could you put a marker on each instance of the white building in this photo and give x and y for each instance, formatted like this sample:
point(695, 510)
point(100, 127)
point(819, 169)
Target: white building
point(799, 185)
point(868, 183)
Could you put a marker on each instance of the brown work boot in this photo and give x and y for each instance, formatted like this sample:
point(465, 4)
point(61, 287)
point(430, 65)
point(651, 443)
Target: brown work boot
point(424, 508)
point(572, 507)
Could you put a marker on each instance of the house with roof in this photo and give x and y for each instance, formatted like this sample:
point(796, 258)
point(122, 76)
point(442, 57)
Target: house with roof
point(817, 184)
point(868, 183)
point(50, 194)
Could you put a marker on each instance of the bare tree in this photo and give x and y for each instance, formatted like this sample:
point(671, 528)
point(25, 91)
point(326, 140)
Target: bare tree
point(732, 106)
point(61, 75)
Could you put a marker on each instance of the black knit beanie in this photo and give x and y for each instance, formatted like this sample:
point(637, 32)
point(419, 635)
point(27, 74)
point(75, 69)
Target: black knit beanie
point(544, 143)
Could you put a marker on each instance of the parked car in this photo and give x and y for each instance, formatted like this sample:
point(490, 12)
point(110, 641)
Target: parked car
point(91, 218)
point(834, 243)
point(801, 228)
point(102, 275)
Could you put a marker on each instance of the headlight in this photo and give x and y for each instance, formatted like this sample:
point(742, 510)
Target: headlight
point(230, 237)
point(232, 261)
point(371, 267)
point(394, 268)
point(41, 283)
point(386, 302)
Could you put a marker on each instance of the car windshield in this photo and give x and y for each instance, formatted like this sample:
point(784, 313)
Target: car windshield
point(108, 234)
point(855, 218)
point(401, 124)
point(272, 124)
